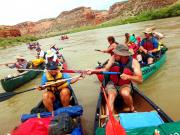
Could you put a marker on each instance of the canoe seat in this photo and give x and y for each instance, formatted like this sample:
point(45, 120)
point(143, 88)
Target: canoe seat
point(140, 119)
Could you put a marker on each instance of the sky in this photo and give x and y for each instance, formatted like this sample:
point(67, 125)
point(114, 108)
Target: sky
point(17, 11)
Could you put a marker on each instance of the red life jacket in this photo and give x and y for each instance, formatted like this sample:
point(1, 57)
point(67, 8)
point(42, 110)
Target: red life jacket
point(148, 45)
point(123, 68)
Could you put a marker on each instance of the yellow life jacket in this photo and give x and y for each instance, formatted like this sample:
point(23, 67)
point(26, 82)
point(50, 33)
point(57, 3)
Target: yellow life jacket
point(37, 62)
point(56, 86)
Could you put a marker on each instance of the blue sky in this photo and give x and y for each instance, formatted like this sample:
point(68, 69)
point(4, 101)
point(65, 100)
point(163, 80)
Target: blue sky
point(16, 11)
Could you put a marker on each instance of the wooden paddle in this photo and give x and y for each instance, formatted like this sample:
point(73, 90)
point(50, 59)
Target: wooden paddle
point(6, 95)
point(113, 127)
point(7, 63)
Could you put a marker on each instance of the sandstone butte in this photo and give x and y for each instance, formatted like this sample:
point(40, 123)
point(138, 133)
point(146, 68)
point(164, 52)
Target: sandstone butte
point(82, 16)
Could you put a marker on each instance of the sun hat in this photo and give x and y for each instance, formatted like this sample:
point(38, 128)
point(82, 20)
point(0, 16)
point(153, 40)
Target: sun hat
point(20, 57)
point(148, 31)
point(122, 50)
point(49, 54)
point(51, 65)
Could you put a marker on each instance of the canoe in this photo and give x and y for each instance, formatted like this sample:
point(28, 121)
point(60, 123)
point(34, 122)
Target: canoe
point(147, 70)
point(10, 84)
point(39, 112)
point(147, 112)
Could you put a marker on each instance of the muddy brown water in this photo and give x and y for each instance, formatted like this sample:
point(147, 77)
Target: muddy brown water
point(163, 87)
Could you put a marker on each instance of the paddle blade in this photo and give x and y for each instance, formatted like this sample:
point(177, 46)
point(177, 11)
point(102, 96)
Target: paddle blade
point(113, 127)
point(6, 95)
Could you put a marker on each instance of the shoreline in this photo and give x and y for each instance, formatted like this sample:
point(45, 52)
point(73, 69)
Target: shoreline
point(166, 12)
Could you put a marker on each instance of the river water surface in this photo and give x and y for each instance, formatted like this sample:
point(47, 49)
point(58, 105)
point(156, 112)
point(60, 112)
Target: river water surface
point(163, 87)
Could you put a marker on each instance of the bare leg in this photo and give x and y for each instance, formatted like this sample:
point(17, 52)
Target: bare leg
point(125, 93)
point(48, 98)
point(111, 97)
point(150, 60)
point(65, 96)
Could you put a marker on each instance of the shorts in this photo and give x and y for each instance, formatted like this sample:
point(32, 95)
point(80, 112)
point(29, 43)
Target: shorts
point(112, 87)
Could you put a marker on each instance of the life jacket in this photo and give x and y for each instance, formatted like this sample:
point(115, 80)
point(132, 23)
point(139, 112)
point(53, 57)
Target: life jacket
point(57, 86)
point(135, 48)
point(148, 44)
point(37, 62)
point(123, 68)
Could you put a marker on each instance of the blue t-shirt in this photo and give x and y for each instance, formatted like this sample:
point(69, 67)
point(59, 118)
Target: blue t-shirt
point(153, 40)
point(64, 76)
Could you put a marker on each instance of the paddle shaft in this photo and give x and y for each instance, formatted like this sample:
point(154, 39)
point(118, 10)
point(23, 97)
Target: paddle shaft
point(7, 95)
point(109, 109)
point(75, 71)
point(7, 63)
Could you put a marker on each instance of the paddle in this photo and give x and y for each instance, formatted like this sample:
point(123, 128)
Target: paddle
point(6, 95)
point(75, 71)
point(7, 63)
point(97, 50)
point(113, 127)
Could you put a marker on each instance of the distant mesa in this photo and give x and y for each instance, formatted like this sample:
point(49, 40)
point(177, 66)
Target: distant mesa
point(82, 16)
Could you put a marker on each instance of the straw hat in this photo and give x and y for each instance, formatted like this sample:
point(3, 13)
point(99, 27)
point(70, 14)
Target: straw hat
point(148, 31)
point(52, 46)
point(20, 57)
point(122, 50)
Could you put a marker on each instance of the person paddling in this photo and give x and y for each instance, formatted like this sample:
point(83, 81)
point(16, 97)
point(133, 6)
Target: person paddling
point(21, 63)
point(122, 62)
point(149, 47)
point(112, 45)
point(58, 91)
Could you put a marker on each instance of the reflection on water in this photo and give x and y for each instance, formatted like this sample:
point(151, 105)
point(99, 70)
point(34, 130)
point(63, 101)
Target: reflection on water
point(163, 87)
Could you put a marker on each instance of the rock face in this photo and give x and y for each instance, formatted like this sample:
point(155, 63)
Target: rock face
point(77, 17)
point(134, 7)
point(83, 16)
point(32, 28)
point(4, 33)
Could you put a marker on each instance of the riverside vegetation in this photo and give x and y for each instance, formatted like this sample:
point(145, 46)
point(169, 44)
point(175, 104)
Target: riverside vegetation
point(170, 11)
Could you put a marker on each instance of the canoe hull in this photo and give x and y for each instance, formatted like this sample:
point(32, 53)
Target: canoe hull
point(147, 71)
point(141, 104)
point(10, 84)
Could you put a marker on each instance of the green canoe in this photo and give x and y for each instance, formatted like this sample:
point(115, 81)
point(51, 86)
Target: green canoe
point(10, 84)
point(147, 71)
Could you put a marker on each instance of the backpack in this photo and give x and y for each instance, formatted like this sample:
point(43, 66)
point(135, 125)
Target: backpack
point(61, 124)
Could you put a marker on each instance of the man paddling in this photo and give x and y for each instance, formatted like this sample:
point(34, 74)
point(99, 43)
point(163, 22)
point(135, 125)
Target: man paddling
point(122, 62)
point(57, 91)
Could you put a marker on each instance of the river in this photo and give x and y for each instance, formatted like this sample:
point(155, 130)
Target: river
point(163, 87)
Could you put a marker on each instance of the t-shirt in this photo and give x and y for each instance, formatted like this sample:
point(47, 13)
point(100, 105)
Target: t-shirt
point(41, 54)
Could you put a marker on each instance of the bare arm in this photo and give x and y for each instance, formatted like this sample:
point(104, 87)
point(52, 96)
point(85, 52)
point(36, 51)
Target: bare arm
point(106, 68)
point(137, 77)
point(109, 49)
point(154, 50)
point(142, 49)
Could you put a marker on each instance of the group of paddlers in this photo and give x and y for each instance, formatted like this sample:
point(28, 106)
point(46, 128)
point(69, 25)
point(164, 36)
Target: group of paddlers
point(63, 37)
point(125, 58)
point(33, 45)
